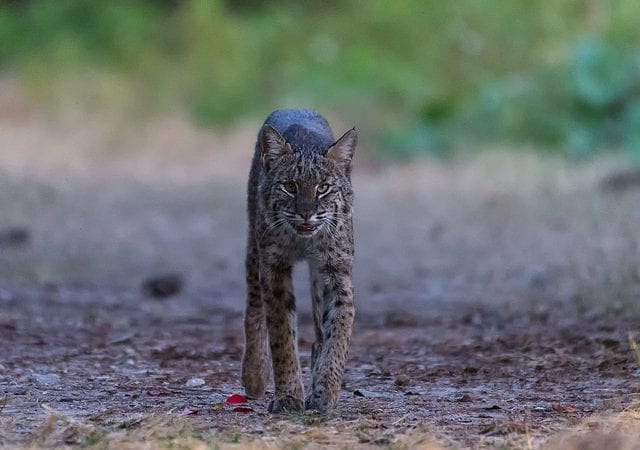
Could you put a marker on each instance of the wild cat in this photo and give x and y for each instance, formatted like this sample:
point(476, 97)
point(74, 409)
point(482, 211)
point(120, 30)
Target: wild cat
point(300, 202)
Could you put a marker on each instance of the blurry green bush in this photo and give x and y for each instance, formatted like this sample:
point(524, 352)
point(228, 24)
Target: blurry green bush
point(420, 75)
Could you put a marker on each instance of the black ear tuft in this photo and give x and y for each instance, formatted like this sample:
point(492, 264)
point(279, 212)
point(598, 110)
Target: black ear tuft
point(342, 151)
point(272, 145)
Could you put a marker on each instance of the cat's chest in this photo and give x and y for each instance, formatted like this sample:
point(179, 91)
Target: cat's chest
point(300, 248)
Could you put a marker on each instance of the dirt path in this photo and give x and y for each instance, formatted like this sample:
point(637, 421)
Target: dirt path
point(471, 373)
point(496, 300)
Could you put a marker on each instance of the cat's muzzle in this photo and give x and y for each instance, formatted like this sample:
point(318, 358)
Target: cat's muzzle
point(305, 228)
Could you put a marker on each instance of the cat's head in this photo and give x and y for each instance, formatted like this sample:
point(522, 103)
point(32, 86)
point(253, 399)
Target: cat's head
point(306, 192)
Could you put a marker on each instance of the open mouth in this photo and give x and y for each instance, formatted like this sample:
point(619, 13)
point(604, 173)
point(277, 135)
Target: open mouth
point(305, 228)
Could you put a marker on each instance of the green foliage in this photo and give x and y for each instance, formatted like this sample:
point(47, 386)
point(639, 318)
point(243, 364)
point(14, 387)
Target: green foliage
point(588, 103)
point(419, 75)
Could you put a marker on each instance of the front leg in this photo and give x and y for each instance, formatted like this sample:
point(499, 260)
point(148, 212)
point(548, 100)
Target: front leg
point(338, 311)
point(277, 290)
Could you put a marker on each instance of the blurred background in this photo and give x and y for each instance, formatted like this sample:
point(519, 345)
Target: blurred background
point(419, 77)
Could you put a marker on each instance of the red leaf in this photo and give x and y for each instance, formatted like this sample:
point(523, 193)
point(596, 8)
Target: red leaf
point(243, 409)
point(236, 399)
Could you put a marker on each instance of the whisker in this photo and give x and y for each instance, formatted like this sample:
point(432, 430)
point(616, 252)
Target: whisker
point(272, 226)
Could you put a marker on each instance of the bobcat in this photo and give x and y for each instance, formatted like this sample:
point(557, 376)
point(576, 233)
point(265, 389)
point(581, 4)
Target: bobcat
point(300, 207)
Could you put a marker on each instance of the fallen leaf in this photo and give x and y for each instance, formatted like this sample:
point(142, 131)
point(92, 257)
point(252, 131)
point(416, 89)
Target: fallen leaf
point(122, 339)
point(157, 392)
point(189, 412)
point(243, 409)
point(492, 407)
point(565, 409)
point(235, 399)
point(412, 393)
point(488, 428)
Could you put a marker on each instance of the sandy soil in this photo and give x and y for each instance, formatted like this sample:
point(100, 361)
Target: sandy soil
point(497, 297)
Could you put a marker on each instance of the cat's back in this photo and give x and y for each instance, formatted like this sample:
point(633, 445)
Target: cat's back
point(305, 129)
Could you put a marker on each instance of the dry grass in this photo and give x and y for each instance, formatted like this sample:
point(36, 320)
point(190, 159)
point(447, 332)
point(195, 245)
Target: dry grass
point(156, 432)
point(619, 431)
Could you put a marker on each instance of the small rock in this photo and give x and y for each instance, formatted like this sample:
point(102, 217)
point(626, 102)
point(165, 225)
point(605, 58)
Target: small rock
point(15, 390)
point(621, 180)
point(463, 398)
point(162, 286)
point(369, 394)
point(402, 380)
point(166, 353)
point(195, 382)
point(14, 236)
point(470, 370)
point(609, 342)
point(491, 407)
point(46, 378)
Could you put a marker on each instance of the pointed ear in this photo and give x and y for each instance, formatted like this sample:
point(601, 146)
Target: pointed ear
point(272, 146)
point(342, 151)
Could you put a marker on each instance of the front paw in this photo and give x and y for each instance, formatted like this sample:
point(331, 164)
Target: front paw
point(320, 401)
point(254, 381)
point(286, 404)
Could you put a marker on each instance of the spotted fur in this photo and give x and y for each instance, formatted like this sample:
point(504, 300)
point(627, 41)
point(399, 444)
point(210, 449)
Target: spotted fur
point(300, 207)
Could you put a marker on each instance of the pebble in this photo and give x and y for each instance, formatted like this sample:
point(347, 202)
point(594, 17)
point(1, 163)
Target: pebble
point(195, 382)
point(14, 236)
point(402, 380)
point(15, 390)
point(162, 286)
point(46, 378)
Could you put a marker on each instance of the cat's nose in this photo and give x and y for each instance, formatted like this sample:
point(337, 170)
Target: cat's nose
point(306, 216)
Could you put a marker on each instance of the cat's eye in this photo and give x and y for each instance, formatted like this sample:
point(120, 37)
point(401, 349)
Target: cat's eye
point(289, 187)
point(322, 189)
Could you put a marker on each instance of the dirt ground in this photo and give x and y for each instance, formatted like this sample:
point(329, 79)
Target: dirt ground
point(497, 297)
